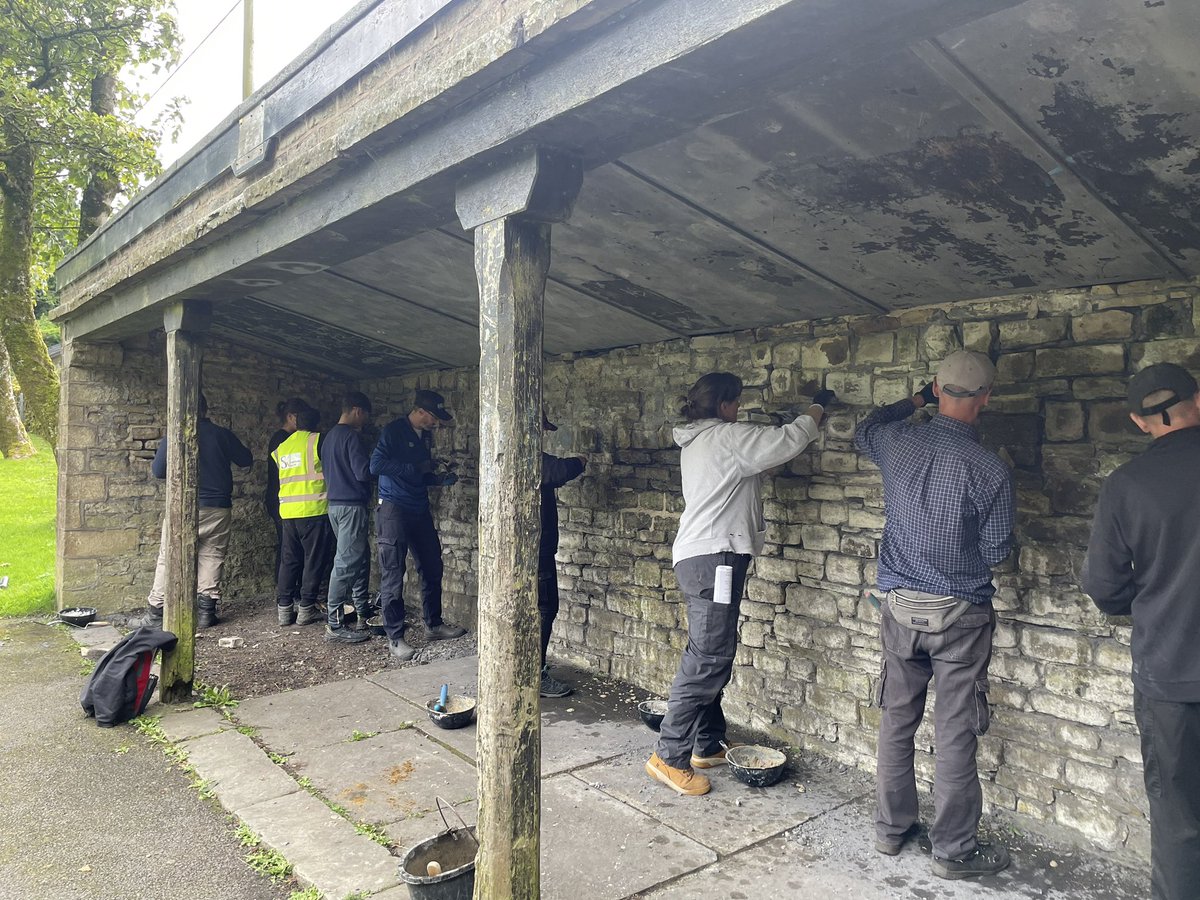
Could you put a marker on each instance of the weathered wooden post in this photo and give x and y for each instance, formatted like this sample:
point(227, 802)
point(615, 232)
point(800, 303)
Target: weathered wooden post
point(185, 323)
point(510, 207)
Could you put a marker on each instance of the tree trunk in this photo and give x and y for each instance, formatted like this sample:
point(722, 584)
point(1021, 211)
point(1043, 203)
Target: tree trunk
point(96, 204)
point(14, 442)
point(34, 371)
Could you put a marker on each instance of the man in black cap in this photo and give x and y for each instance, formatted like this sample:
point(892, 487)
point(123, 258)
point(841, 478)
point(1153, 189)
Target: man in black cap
point(556, 471)
point(404, 466)
point(1143, 560)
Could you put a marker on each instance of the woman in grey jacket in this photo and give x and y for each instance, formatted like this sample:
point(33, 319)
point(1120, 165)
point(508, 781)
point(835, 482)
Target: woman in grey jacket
point(721, 526)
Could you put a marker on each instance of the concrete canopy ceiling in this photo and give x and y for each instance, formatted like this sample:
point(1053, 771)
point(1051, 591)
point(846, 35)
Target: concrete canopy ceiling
point(1046, 145)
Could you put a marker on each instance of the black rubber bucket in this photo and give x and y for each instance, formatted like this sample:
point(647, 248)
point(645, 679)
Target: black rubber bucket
point(454, 850)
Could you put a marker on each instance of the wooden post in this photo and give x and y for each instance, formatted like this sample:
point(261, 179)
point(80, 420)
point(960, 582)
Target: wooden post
point(185, 323)
point(511, 207)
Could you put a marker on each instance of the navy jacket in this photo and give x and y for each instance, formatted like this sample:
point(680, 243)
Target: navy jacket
point(218, 449)
point(347, 467)
point(402, 462)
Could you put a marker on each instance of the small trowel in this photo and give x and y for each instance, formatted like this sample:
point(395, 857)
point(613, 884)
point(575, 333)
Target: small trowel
point(440, 706)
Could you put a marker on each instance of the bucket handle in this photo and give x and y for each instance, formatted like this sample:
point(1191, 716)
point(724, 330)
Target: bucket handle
point(442, 806)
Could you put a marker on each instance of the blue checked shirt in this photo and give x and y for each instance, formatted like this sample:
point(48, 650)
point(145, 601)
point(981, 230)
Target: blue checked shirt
point(948, 501)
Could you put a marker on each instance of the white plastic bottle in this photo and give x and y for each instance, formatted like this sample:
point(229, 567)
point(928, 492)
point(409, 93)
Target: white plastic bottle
point(723, 587)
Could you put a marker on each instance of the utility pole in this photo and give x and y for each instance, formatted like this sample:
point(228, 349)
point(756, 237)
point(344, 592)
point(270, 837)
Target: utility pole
point(247, 48)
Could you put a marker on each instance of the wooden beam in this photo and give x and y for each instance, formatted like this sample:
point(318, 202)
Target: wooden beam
point(510, 212)
point(185, 323)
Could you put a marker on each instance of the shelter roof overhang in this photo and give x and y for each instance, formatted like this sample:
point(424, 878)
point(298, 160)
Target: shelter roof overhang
point(749, 164)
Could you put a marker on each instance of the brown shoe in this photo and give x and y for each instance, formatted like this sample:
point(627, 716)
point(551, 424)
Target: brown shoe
point(681, 781)
point(712, 759)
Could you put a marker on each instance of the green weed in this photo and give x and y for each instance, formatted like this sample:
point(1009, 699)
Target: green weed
point(357, 735)
point(218, 698)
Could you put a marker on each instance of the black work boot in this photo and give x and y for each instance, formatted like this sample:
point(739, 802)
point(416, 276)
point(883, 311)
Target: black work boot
point(206, 611)
point(153, 618)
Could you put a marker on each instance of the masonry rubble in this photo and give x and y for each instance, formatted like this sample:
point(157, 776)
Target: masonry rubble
point(1063, 752)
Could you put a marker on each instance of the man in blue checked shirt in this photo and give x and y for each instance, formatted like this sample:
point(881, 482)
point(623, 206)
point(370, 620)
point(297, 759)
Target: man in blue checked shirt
point(949, 506)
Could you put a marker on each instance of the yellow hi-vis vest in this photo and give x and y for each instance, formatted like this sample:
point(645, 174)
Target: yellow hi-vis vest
point(301, 481)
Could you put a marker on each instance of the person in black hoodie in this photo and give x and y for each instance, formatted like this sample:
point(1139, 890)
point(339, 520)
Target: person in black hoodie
point(556, 472)
point(1143, 560)
point(218, 449)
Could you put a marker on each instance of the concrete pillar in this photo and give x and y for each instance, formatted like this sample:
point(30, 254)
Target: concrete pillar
point(510, 207)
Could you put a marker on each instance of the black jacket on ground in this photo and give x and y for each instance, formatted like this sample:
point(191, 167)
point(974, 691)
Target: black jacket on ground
point(217, 449)
point(555, 473)
point(1143, 560)
point(112, 692)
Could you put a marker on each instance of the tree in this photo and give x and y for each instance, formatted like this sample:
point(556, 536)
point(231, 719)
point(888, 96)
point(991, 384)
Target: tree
point(68, 146)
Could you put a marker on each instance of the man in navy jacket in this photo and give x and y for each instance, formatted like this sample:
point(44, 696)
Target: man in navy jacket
point(404, 465)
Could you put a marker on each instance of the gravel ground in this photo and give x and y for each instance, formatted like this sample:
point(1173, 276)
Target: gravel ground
point(276, 659)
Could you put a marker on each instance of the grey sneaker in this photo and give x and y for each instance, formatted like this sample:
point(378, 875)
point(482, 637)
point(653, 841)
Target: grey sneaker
point(345, 635)
point(985, 859)
point(306, 615)
point(399, 649)
point(552, 687)
point(444, 632)
point(286, 614)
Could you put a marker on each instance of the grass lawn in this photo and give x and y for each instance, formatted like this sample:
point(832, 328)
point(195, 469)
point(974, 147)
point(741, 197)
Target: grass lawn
point(27, 497)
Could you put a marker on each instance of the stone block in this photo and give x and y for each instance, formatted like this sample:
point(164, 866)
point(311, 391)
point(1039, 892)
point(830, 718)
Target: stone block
point(875, 349)
point(813, 603)
point(977, 336)
point(1023, 333)
point(113, 542)
point(824, 354)
point(1056, 646)
point(853, 388)
point(1039, 559)
point(647, 573)
point(775, 569)
point(939, 341)
point(1014, 368)
point(1091, 818)
point(1069, 709)
point(1097, 360)
point(1109, 423)
point(1112, 325)
point(1181, 351)
point(843, 569)
point(1112, 388)
point(820, 537)
point(1064, 421)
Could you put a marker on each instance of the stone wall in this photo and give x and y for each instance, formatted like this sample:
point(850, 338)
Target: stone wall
point(112, 415)
point(1063, 750)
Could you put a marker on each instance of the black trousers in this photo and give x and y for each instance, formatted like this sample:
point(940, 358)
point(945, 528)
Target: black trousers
point(398, 531)
point(305, 556)
point(1170, 740)
point(547, 600)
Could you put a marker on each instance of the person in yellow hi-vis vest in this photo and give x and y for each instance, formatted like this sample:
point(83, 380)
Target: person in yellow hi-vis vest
point(304, 508)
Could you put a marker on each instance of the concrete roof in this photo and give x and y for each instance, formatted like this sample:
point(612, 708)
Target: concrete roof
point(748, 164)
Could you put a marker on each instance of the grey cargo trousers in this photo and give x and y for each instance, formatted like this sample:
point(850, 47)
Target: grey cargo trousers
point(957, 659)
point(694, 717)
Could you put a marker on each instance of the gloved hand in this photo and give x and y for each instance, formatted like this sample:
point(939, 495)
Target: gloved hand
point(927, 393)
point(824, 397)
point(448, 480)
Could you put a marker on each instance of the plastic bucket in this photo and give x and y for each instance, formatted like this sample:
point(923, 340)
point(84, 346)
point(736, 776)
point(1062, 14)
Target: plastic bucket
point(455, 852)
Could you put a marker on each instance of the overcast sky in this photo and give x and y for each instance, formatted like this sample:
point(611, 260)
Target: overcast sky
point(211, 79)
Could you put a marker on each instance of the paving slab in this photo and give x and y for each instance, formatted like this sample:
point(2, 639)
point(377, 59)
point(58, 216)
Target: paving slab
point(240, 773)
point(729, 818)
point(571, 743)
point(596, 847)
point(832, 856)
point(323, 714)
point(96, 635)
point(182, 725)
point(419, 827)
point(389, 777)
point(419, 684)
point(323, 848)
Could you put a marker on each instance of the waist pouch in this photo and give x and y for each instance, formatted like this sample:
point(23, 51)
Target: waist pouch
point(926, 613)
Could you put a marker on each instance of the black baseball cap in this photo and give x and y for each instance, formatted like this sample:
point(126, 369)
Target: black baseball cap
point(433, 402)
point(1160, 377)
